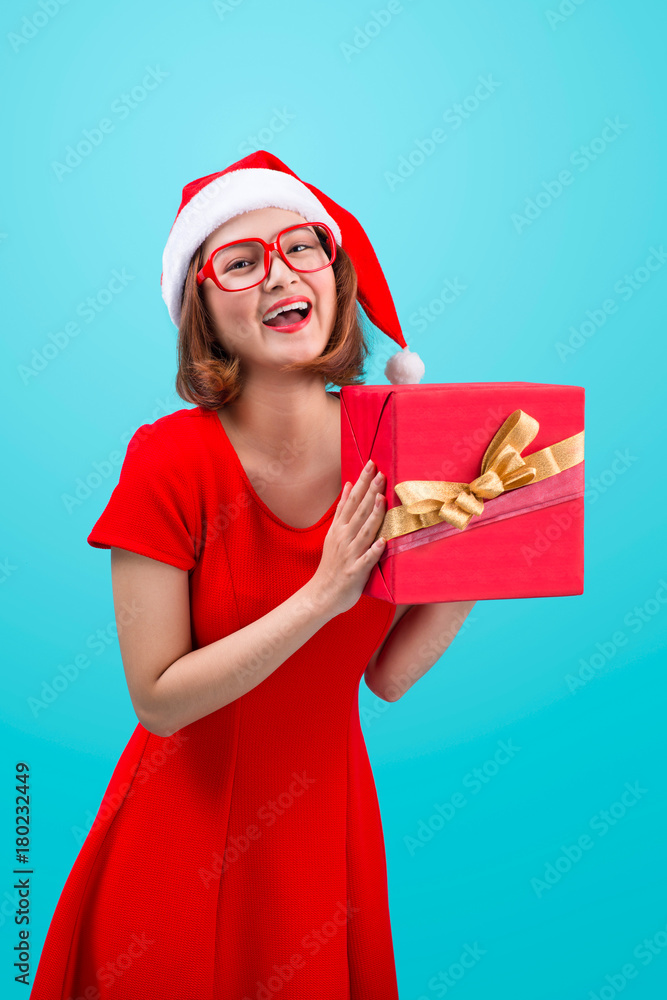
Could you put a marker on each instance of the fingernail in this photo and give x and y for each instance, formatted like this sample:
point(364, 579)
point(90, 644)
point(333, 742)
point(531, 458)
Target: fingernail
point(369, 465)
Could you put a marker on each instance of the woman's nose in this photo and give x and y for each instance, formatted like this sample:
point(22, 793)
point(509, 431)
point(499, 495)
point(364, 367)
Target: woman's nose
point(278, 268)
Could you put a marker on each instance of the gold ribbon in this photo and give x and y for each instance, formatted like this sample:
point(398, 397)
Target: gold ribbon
point(504, 468)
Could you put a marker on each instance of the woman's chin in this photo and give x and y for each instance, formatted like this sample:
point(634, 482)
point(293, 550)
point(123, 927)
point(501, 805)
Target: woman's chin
point(308, 341)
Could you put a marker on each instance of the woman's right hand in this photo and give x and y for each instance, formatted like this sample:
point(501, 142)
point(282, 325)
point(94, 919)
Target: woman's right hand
point(349, 553)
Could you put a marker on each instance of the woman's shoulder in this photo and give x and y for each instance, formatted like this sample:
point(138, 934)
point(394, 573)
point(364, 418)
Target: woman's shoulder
point(176, 435)
point(172, 427)
point(153, 509)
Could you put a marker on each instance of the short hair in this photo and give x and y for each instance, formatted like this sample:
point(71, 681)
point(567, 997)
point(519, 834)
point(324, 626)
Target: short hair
point(209, 377)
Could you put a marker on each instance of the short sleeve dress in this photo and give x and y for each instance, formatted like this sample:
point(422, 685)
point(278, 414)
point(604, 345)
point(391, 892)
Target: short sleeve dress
point(243, 856)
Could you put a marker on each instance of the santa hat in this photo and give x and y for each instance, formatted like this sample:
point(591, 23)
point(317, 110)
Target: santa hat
point(261, 180)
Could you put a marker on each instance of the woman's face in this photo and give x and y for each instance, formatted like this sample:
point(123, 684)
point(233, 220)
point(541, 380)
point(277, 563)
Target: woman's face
point(237, 316)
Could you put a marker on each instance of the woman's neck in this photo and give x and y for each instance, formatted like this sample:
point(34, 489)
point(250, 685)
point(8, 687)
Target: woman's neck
point(265, 422)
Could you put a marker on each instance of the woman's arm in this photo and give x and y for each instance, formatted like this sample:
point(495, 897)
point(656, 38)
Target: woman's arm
point(170, 683)
point(410, 649)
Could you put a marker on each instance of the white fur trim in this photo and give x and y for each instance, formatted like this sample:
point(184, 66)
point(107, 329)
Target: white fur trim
point(222, 199)
point(404, 368)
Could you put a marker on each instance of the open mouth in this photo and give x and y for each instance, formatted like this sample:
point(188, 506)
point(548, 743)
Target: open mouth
point(291, 315)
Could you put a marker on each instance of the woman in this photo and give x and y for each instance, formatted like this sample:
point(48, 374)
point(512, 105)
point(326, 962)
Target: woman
point(238, 852)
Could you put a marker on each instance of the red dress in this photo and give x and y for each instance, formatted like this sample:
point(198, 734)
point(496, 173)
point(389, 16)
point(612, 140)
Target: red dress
point(243, 857)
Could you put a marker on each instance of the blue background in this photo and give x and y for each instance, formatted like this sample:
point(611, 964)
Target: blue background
point(357, 99)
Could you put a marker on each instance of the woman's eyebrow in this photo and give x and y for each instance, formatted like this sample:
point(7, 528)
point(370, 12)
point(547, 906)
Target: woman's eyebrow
point(242, 239)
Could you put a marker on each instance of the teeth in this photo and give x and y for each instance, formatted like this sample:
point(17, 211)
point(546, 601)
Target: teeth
point(280, 309)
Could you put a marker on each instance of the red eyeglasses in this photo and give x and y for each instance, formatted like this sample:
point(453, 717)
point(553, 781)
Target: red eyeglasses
point(306, 247)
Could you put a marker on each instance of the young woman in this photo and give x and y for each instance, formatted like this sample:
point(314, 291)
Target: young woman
point(238, 852)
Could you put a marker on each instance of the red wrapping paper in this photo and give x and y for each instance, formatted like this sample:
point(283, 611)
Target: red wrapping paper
point(529, 541)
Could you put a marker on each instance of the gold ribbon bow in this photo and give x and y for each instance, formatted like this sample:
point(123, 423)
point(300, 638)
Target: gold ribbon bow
point(504, 468)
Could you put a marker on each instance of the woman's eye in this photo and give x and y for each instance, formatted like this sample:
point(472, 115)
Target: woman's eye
point(232, 266)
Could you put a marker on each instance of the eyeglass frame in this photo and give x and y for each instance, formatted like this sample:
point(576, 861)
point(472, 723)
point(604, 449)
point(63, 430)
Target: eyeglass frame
point(208, 271)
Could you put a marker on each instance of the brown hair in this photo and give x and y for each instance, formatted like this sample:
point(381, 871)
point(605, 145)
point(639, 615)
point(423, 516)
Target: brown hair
point(209, 377)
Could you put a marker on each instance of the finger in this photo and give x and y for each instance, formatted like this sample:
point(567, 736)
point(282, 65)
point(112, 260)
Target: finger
point(365, 504)
point(375, 550)
point(369, 529)
point(357, 491)
point(343, 497)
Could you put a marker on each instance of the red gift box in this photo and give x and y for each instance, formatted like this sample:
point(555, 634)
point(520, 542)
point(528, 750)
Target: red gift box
point(522, 535)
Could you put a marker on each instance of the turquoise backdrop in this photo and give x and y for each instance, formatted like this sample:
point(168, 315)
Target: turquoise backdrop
point(505, 160)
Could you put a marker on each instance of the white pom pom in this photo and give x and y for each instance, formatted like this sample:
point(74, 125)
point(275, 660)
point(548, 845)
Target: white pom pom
point(404, 368)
